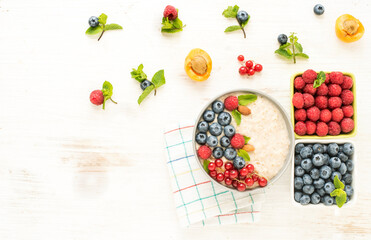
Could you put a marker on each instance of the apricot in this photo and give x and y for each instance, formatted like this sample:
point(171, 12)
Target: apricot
point(198, 65)
point(348, 28)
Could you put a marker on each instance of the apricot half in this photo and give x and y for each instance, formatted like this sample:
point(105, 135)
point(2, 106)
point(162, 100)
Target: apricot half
point(348, 28)
point(198, 65)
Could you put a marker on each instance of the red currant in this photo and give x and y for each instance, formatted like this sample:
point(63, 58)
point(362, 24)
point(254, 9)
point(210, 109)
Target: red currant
point(250, 72)
point(228, 181)
point(233, 174)
point(241, 177)
point(235, 183)
point(243, 70)
point(228, 166)
point(227, 173)
point(241, 187)
point(211, 166)
point(219, 162)
point(244, 172)
point(250, 168)
point(241, 58)
point(258, 67)
point(213, 173)
point(249, 64)
point(255, 177)
point(220, 177)
point(249, 182)
point(262, 182)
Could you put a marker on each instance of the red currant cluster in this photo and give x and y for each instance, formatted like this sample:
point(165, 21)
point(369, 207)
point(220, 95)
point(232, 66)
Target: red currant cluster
point(239, 179)
point(249, 67)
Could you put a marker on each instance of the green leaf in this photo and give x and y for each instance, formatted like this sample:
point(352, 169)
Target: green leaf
point(340, 200)
point(245, 23)
point(230, 12)
point(246, 99)
point(107, 89)
point(298, 47)
point(138, 74)
point(242, 153)
point(237, 116)
point(303, 55)
point(93, 31)
point(112, 26)
point(338, 184)
point(103, 19)
point(159, 79)
point(283, 46)
point(293, 38)
point(247, 139)
point(321, 78)
point(336, 192)
point(232, 28)
point(145, 93)
point(284, 53)
point(206, 164)
point(177, 23)
point(166, 24)
point(172, 26)
point(171, 30)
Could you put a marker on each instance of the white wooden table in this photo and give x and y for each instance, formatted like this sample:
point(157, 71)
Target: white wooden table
point(69, 170)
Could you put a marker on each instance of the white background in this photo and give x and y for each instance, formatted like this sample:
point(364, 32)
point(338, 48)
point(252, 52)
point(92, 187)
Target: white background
point(69, 170)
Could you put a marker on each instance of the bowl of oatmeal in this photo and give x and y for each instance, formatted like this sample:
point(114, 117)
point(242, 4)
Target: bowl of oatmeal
point(243, 140)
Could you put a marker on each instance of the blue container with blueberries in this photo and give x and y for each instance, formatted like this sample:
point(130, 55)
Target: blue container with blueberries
point(315, 165)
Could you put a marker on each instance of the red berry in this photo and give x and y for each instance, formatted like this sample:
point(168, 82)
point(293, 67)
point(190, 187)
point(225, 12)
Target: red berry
point(313, 113)
point(310, 89)
point(255, 177)
point(347, 125)
point(322, 90)
point(241, 187)
point(231, 103)
point(262, 182)
point(213, 173)
point(347, 83)
point(325, 115)
point(258, 68)
point(337, 114)
point(228, 181)
point(228, 165)
point(240, 177)
point(334, 128)
point(347, 97)
point(327, 80)
point(322, 129)
point(237, 141)
point(334, 102)
point(299, 83)
point(308, 100)
point(298, 100)
point(243, 70)
point(233, 174)
point(249, 182)
point(336, 77)
point(300, 128)
point(96, 97)
point(234, 183)
point(250, 168)
point(227, 173)
point(348, 111)
point(321, 102)
point(220, 177)
point(249, 64)
point(211, 166)
point(204, 152)
point(334, 90)
point(250, 72)
point(311, 127)
point(219, 162)
point(300, 115)
point(309, 76)
point(240, 58)
point(243, 171)
point(170, 12)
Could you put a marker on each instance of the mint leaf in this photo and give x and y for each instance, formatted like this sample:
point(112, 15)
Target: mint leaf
point(246, 99)
point(336, 192)
point(206, 164)
point(247, 139)
point(138, 74)
point(242, 153)
point(237, 116)
point(303, 55)
point(338, 184)
point(285, 45)
point(298, 47)
point(93, 31)
point(232, 28)
point(321, 78)
point(107, 89)
point(172, 26)
point(340, 200)
point(177, 23)
point(102, 19)
point(230, 12)
point(159, 79)
point(284, 53)
point(145, 93)
point(112, 26)
point(171, 30)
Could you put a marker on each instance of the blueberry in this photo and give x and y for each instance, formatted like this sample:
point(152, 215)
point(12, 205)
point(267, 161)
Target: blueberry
point(298, 147)
point(350, 165)
point(297, 196)
point(318, 159)
point(306, 152)
point(328, 200)
point(212, 141)
point(217, 106)
point(333, 149)
point(306, 164)
point(329, 187)
point(203, 126)
point(348, 178)
point(304, 200)
point(349, 190)
point(335, 162)
point(224, 118)
point(242, 16)
point(318, 148)
point(334, 174)
point(297, 159)
point(229, 131)
point(325, 172)
point(282, 39)
point(342, 156)
point(348, 149)
point(308, 189)
point(348, 199)
point(93, 21)
point(318, 9)
point(218, 152)
point(215, 129)
point(321, 192)
point(319, 183)
point(144, 84)
point(326, 158)
point(201, 138)
point(239, 162)
point(298, 183)
point(230, 153)
point(307, 179)
point(299, 171)
point(225, 142)
point(209, 116)
point(315, 198)
point(314, 173)
point(343, 168)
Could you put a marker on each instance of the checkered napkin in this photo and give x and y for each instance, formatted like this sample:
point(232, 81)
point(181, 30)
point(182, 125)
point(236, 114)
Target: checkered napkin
point(198, 200)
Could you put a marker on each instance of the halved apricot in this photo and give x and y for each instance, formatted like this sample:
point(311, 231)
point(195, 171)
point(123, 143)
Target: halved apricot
point(198, 65)
point(348, 28)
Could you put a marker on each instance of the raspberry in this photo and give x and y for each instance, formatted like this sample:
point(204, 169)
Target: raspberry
point(325, 115)
point(170, 12)
point(347, 125)
point(311, 127)
point(238, 141)
point(337, 115)
point(334, 128)
point(299, 83)
point(347, 83)
point(309, 89)
point(336, 77)
point(231, 103)
point(297, 100)
point(204, 152)
point(309, 76)
point(308, 100)
point(327, 80)
point(300, 115)
point(96, 97)
point(322, 129)
point(313, 113)
point(347, 97)
point(300, 128)
point(322, 90)
point(321, 102)
point(334, 90)
point(348, 111)
point(334, 102)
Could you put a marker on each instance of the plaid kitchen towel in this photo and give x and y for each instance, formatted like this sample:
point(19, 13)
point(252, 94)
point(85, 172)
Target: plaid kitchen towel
point(198, 200)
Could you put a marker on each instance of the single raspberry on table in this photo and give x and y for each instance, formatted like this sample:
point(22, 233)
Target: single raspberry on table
point(336, 77)
point(321, 102)
point(231, 103)
point(347, 125)
point(334, 90)
point(348, 111)
point(299, 83)
point(334, 128)
point(322, 129)
point(334, 102)
point(313, 113)
point(325, 115)
point(311, 127)
point(204, 152)
point(96, 97)
point(300, 128)
point(310, 89)
point(308, 100)
point(347, 97)
point(337, 114)
point(347, 83)
point(309, 76)
point(300, 115)
point(322, 90)
point(237, 141)
point(170, 12)
point(298, 100)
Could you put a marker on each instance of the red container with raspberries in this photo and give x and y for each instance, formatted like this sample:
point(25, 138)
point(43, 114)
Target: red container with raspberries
point(323, 104)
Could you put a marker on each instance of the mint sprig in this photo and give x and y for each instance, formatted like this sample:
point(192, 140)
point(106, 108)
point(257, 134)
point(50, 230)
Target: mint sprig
point(231, 12)
point(292, 49)
point(107, 90)
point(321, 78)
point(138, 74)
point(242, 153)
point(247, 139)
point(341, 195)
point(243, 100)
point(172, 26)
point(102, 27)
